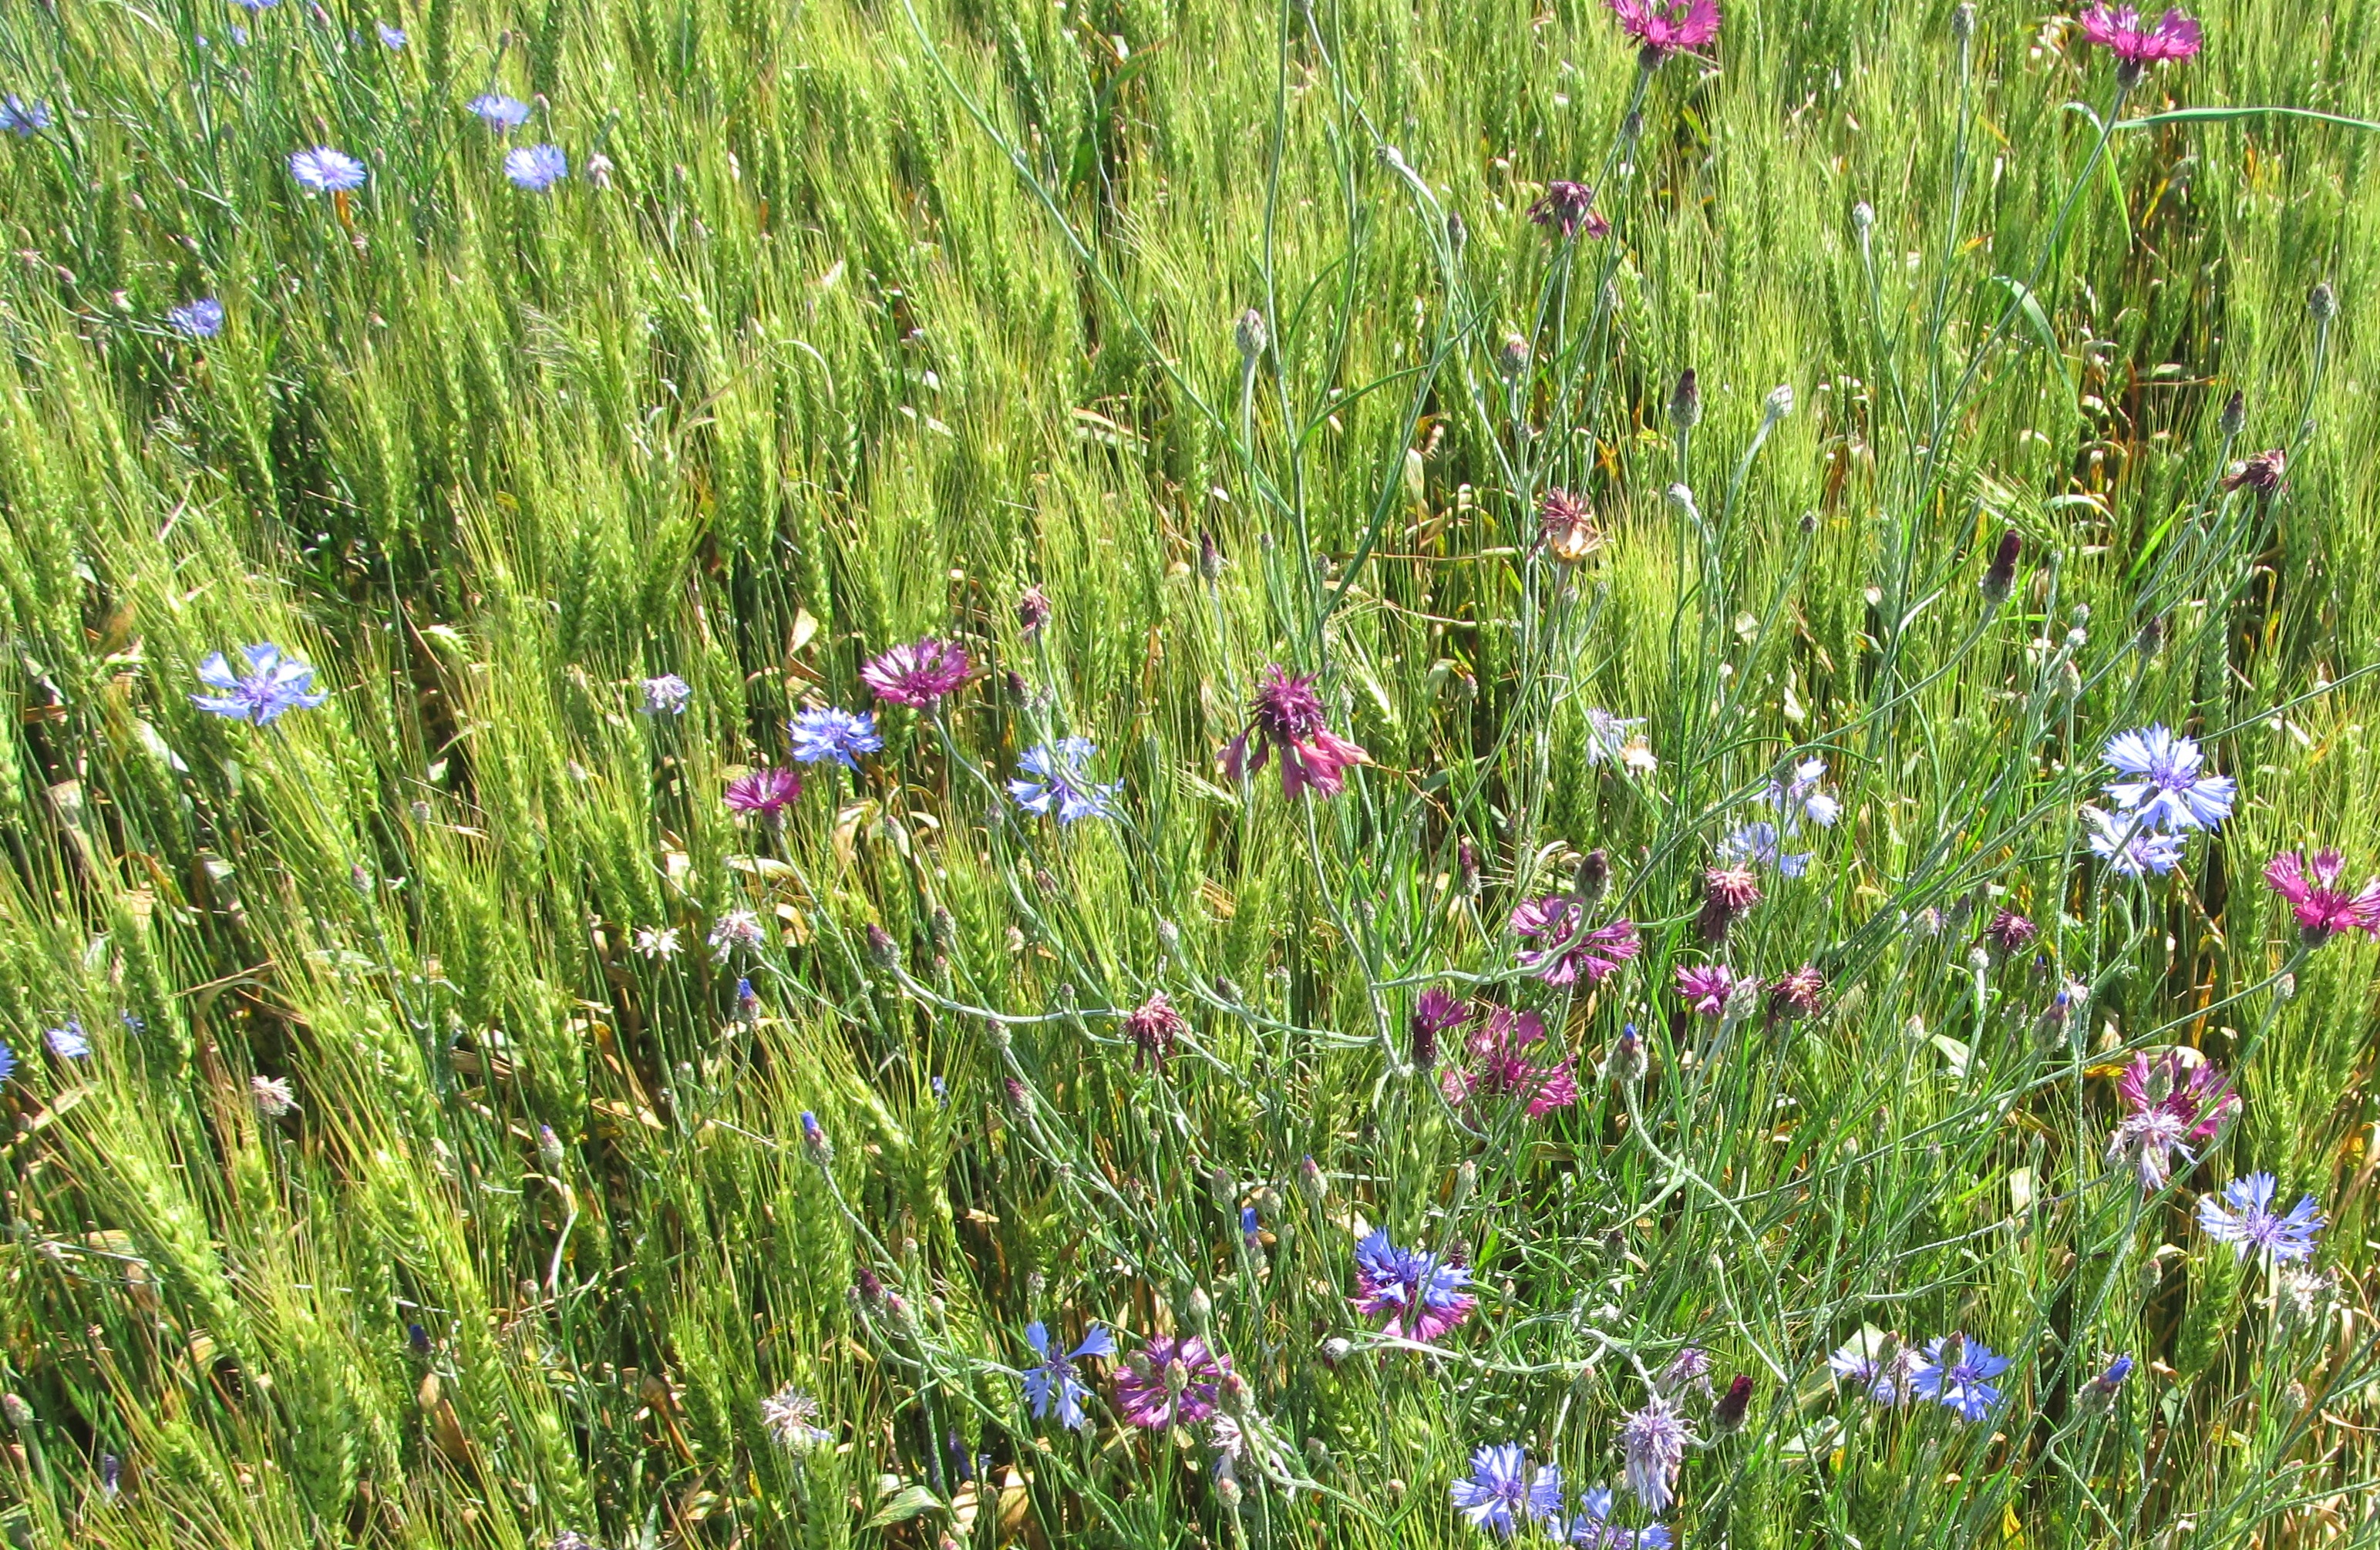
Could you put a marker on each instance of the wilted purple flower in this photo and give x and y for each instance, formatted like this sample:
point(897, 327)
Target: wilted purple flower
point(1169, 1381)
point(2322, 907)
point(2167, 1106)
point(1667, 27)
point(736, 928)
point(1689, 1369)
point(1054, 1380)
point(2261, 473)
point(1705, 988)
point(1653, 1441)
point(790, 1417)
point(2129, 845)
point(272, 686)
point(830, 733)
point(498, 112)
point(321, 170)
point(1566, 525)
point(2169, 794)
point(2010, 932)
point(1154, 1027)
point(1797, 994)
point(21, 118)
point(1568, 207)
point(272, 1095)
point(202, 318)
point(2001, 574)
point(919, 674)
point(1501, 1492)
point(667, 695)
point(1569, 951)
point(1420, 1294)
point(1728, 892)
point(536, 168)
point(1287, 717)
point(767, 791)
point(1955, 1374)
point(1065, 787)
point(2244, 1218)
point(1032, 609)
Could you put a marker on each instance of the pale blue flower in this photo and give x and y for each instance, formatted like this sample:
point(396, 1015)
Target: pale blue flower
point(536, 168)
point(391, 38)
point(1054, 1381)
point(830, 733)
point(21, 118)
point(498, 112)
point(272, 685)
point(321, 170)
point(1956, 1375)
point(1066, 786)
point(2168, 791)
point(2244, 1218)
point(202, 318)
point(2129, 845)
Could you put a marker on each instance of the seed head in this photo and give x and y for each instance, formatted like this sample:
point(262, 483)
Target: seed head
point(1686, 402)
point(2323, 302)
point(1250, 335)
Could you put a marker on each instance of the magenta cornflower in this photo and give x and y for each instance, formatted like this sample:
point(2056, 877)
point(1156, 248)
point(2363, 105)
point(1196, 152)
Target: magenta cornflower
point(1568, 207)
point(1154, 1027)
point(1705, 988)
point(1500, 1067)
point(2136, 41)
point(918, 674)
point(1419, 1293)
point(766, 793)
point(1169, 1381)
point(1797, 994)
point(2168, 1107)
point(1570, 951)
point(2323, 908)
point(1438, 1011)
point(2010, 932)
point(1728, 892)
point(1667, 27)
point(1287, 717)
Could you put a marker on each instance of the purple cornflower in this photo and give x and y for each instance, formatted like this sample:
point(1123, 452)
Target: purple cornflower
point(2136, 41)
point(1568, 207)
point(1500, 1066)
point(1879, 1363)
point(1728, 892)
point(1169, 1381)
point(2010, 932)
point(498, 112)
point(1054, 1381)
point(1420, 1294)
point(1667, 27)
point(2166, 1108)
point(1502, 1493)
point(1065, 787)
point(536, 168)
point(68, 1041)
point(202, 318)
point(1438, 1011)
point(2251, 1223)
point(320, 170)
point(1705, 988)
point(1154, 1027)
point(1654, 1442)
point(2322, 907)
point(918, 674)
point(667, 695)
point(1759, 842)
point(1570, 951)
point(1797, 994)
point(767, 791)
point(1956, 1375)
point(21, 118)
point(830, 733)
point(2261, 472)
point(2129, 845)
point(2169, 794)
point(1287, 717)
point(272, 686)
point(1592, 1528)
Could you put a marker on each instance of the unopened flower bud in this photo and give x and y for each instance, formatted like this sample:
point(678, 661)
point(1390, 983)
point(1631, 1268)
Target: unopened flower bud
point(1778, 403)
point(2001, 574)
point(1210, 559)
point(1250, 335)
point(1312, 1185)
point(20, 1413)
point(1457, 234)
point(1466, 1179)
point(1514, 359)
point(1962, 22)
point(1728, 1415)
point(1222, 1190)
point(549, 1151)
point(1227, 1491)
point(1686, 402)
point(881, 951)
point(943, 930)
point(1177, 1378)
point(814, 1139)
point(1592, 875)
point(1625, 1065)
point(1466, 867)
point(2323, 302)
point(1336, 1350)
point(1863, 217)
point(2234, 417)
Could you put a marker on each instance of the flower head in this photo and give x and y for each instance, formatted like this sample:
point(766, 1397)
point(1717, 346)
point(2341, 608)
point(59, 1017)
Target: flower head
point(667, 695)
point(1592, 1528)
point(830, 733)
point(2129, 845)
point(68, 1041)
point(1065, 787)
point(1955, 1374)
point(1568, 950)
point(918, 674)
point(1667, 27)
point(321, 170)
point(2244, 1217)
point(1032, 609)
point(1287, 716)
point(202, 318)
point(2322, 907)
point(272, 1095)
point(1705, 988)
point(1609, 737)
point(736, 928)
point(536, 168)
point(391, 38)
point(21, 118)
point(1654, 1442)
point(658, 943)
point(1567, 527)
point(2010, 932)
point(1759, 844)
point(1154, 1027)
point(2169, 791)
point(1437, 1012)
point(1879, 1363)
point(1419, 1293)
point(767, 791)
point(2167, 1110)
point(2135, 40)
point(498, 112)
point(1500, 1066)
point(1054, 1381)
point(1170, 1380)
point(1502, 1493)
point(1568, 207)
point(7, 1062)
point(272, 685)
point(2100, 1392)
point(1797, 994)
point(789, 1417)
point(1803, 795)
point(1728, 892)
point(2261, 473)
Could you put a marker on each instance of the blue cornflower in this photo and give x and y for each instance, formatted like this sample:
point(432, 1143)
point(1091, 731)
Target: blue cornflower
point(2250, 1222)
point(1955, 1373)
point(1250, 1228)
point(2129, 845)
point(391, 38)
point(272, 685)
point(1804, 796)
point(68, 1041)
point(1759, 841)
point(1500, 1486)
point(499, 112)
point(830, 733)
point(256, 4)
point(1066, 785)
point(1877, 1363)
point(2169, 792)
point(1054, 1379)
point(202, 318)
point(536, 168)
point(321, 170)
point(7, 1062)
point(1420, 1294)
point(667, 695)
point(23, 118)
point(2100, 1392)
point(1592, 1528)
